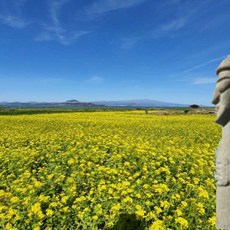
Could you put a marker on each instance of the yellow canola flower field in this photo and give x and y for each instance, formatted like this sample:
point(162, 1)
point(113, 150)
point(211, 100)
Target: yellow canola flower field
point(107, 170)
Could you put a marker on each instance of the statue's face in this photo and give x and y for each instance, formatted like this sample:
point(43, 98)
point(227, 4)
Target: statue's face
point(221, 98)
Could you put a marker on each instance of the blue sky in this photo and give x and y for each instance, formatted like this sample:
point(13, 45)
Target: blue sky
point(56, 50)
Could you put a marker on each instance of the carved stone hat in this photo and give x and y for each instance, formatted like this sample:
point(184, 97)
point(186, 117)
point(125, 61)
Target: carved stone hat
point(224, 65)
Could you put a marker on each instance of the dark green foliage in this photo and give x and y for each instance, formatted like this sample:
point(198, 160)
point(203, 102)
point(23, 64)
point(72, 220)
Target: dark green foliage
point(194, 106)
point(129, 222)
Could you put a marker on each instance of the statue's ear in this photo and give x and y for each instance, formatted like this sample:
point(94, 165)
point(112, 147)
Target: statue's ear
point(216, 97)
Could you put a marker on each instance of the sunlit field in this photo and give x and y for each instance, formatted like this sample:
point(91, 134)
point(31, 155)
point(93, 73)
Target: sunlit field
point(107, 170)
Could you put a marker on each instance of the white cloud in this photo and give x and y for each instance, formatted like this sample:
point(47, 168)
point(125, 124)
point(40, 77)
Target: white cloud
point(169, 27)
point(130, 42)
point(44, 36)
point(163, 30)
point(204, 80)
point(13, 21)
point(55, 30)
point(203, 64)
point(69, 37)
point(173, 25)
point(95, 80)
point(185, 14)
point(103, 6)
point(55, 8)
point(11, 14)
point(198, 66)
point(66, 38)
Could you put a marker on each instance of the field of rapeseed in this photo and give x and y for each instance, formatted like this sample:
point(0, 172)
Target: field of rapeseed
point(107, 170)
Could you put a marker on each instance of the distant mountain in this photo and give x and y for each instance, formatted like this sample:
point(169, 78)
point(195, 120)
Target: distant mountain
point(140, 102)
point(66, 104)
point(72, 101)
point(76, 103)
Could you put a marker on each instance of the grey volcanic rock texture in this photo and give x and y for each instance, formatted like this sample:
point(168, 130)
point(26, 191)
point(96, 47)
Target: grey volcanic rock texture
point(221, 98)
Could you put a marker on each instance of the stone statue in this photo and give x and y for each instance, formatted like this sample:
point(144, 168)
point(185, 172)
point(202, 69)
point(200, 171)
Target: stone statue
point(221, 99)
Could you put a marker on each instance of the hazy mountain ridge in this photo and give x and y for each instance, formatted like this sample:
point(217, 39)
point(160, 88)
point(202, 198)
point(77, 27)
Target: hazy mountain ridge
point(140, 102)
point(69, 103)
point(76, 103)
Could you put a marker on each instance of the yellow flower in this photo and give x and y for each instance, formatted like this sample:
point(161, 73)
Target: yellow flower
point(125, 183)
point(116, 207)
point(125, 160)
point(212, 221)
point(64, 199)
point(43, 198)
point(157, 225)
point(200, 208)
point(53, 204)
point(110, 224)
point(86, 209)
point(138, 207)
point(179, 212)
point(81, 215)
point(80, 199)
point(10, 227)
point(140, 213)
point(71, 161)
point(95, 217)
point(151, 216)
point(50, 176)
point(11, 213)
point(196, 180)
point(158, 210)
point(70, 180)
point(36, 228)
point(164, 204)
point(49, 212)
point(147, 202)
point(65, 209)
point(182, 222)
point(161, 188)
point(38, 184)
point(101, 187)
point(36, 209)
point(203, 193)
point(176, 196)
point(14, 199)
point(127, 199)
point(184, 204)
point(138, 195)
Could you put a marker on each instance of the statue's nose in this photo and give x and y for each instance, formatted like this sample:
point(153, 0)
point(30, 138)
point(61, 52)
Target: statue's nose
point(216, 97)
